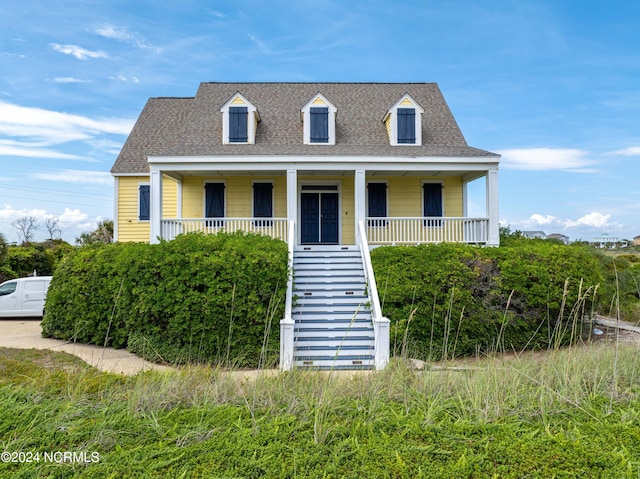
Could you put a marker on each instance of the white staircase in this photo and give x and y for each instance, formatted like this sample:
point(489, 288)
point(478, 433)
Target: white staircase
point(333, 323)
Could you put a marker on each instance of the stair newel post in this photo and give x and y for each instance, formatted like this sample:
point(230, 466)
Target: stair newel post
point(287, 323)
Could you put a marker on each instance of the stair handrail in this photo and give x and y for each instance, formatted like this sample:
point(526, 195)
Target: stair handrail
point(291, 242)
point(368, 272)
point(380, 323)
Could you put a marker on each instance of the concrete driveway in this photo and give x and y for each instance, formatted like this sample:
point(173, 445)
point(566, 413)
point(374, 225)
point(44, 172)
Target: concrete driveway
point(25, 334)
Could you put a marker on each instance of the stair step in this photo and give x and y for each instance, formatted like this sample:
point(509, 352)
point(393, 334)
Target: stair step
point(313, 343)
point(333, 367)
point(320, 360)
point(330, 300)
point(326, 247)
point(333, 335)
point(322, 318)
point(349, 309)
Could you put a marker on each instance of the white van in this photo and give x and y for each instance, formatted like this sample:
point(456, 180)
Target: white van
point(24, 296)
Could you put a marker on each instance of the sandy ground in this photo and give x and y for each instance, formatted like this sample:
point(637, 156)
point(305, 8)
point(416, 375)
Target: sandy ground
point(25, 334)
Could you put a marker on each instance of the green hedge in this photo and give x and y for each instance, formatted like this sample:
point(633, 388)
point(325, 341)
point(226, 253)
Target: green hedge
point(451, 300)
point(199, 298)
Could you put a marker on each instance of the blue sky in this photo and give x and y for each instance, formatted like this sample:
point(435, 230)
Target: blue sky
point(552, 86)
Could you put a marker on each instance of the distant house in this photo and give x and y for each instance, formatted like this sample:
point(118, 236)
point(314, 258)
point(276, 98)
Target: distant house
point(607, 241)
point(330, 168)
point(534, 234)
point(636, 240)
point(564, 238)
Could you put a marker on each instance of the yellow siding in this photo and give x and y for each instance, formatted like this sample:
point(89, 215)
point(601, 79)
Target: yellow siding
point(238, 195)
point(405, 195)
point(238, 101)
point(318, 101)
point(169, 198)
point(406, 102)
point(387, 123)
point(129, 227)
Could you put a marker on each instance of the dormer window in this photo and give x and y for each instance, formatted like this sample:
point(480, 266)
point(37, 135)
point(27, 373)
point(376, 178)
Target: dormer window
point(238, 124)
point(319, 121)
point(319, 127)
point(404, 122)
point(239, 121)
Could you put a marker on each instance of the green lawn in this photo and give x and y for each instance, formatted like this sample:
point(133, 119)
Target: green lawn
point(564, 413)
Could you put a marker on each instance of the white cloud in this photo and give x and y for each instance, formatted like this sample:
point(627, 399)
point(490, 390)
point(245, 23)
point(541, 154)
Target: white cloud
point(77, 176)
point(597, 220)
point(44, 128)
point(539, 159)
point(259, 43)
point(590, 222)
point(123, 35)
point(216, 13)
point(125, 79)
point(34, 150)
point(543, 220)
point(78, 52)
point(68, 80)
point(72, 216)
point(631, 151)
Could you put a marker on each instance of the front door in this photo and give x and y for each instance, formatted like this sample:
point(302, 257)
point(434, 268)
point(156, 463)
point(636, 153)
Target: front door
point(319, 214)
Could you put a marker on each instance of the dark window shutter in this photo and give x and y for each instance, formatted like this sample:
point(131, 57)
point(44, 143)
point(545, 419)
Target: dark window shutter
point(214, 200)
point(319, 125)
point(432, 202)
point(263, 200)
point(406, 125)
point(144, 202)
point(238, 124)
point(377, 199)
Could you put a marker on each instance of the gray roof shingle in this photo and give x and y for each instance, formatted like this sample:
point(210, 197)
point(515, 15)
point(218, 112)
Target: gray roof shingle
point(193, 126)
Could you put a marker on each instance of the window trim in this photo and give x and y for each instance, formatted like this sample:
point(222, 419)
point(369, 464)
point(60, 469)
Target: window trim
point(263, 222)
point(208, 219)
point(253, 118)
point(392, 117)
point(432, 223)
point(140, 185)
point(372, 222)
point(305, 114)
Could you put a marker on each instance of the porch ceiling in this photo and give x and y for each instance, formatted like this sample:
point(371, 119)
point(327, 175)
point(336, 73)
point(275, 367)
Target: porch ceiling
point(467, 175)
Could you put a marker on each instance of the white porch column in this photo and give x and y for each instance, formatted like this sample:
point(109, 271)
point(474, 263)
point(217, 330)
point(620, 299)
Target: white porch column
point(287, 324)
point(359, 200)
point(155, 200)
point(492, 208)
point(292, 196)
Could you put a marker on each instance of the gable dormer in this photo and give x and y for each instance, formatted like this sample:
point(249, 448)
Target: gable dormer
point(404, 122)
point(239, 121)
point(319, 121)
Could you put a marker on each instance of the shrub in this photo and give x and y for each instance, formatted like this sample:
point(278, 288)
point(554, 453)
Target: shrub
point(448, 300)
point(197, 298)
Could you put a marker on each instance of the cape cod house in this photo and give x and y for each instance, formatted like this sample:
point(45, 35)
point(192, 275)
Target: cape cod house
point(331, 168)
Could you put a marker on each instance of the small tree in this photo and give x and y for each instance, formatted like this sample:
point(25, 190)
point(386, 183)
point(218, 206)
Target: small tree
point(52, 227)
point(26, 227)
point(3, 248)
point(102, 234)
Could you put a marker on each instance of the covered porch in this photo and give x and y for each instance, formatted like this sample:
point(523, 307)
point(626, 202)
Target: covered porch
point(406, 201)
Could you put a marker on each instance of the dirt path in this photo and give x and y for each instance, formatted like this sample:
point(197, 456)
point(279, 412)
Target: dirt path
point(25, 334)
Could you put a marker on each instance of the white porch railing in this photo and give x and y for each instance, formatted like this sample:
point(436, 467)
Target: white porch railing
point(427, 230)
point(274, 227)
point(381, 325)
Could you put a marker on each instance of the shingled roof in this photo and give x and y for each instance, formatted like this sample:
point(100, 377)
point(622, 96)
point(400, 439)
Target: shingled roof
point(193, 126)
